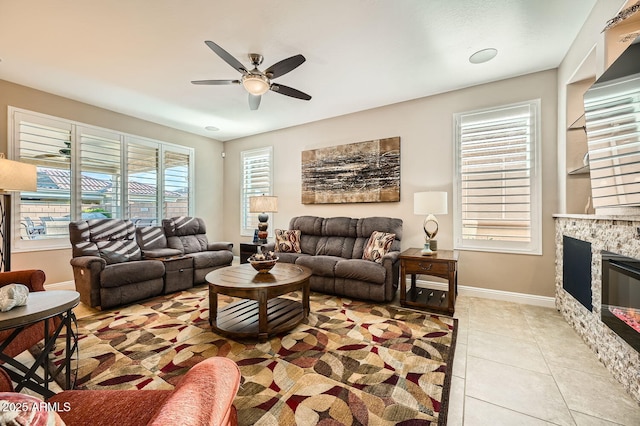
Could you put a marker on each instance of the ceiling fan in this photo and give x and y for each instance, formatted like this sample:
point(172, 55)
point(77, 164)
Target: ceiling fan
point(258, 82)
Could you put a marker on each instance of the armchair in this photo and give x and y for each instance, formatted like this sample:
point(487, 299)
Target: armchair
point(204, 396)
point(34, 280)
point(189, 236)
point(107, 264)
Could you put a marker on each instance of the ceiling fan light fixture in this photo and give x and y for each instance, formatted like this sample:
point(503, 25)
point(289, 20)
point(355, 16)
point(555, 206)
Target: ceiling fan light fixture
point(255, 84)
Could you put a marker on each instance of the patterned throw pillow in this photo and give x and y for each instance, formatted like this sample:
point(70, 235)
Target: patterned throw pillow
point(378, 245)
point(288, 241)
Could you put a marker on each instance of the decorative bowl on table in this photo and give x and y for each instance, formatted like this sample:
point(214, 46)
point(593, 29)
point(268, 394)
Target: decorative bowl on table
point(263, 263)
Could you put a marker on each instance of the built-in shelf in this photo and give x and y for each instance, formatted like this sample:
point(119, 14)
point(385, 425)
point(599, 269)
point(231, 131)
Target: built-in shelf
point(580, 171)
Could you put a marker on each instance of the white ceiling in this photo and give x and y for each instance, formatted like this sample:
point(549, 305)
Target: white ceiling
point(139, 57)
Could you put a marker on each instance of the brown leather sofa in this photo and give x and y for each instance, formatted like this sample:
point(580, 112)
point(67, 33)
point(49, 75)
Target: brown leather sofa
point(204, 396)
point(333, 249)
point(108, 268)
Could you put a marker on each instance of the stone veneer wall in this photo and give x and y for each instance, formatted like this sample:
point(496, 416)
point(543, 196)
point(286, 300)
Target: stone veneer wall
point(614, 234)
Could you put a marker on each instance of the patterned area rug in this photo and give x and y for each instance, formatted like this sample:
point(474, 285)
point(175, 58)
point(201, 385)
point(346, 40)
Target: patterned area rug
point(350, 362)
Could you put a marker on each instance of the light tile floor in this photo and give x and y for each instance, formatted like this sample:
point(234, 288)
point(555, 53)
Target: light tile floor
point(519, 364)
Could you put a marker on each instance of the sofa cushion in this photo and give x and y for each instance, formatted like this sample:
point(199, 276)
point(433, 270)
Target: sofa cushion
point(359, 269)
point(211, 259)
point(288, 241)
point(335, 246)
point(112, 239)
point(290, 257)
point(323, 266)
point(378, 245)
point(120, 274)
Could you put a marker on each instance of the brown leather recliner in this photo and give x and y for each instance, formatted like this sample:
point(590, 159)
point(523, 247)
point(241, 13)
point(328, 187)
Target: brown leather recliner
point(107, 264)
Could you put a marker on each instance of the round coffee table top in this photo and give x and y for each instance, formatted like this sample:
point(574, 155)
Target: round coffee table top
point(244, 276)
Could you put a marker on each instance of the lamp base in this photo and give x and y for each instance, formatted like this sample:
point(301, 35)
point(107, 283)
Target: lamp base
point(426, 251)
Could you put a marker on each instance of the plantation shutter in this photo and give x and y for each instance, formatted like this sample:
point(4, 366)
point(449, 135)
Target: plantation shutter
point(497, 174)
point(177, 172)
point(256, 180)
point(101, 173)
point(142, 182)
point(45, 143)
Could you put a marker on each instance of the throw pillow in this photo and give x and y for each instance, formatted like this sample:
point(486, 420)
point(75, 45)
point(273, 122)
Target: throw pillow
point(288, 241)
point(378, 245)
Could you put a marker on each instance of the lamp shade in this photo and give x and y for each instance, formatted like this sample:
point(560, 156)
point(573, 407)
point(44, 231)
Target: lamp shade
point(263, 204)
point(430, 203)
point(17, 176)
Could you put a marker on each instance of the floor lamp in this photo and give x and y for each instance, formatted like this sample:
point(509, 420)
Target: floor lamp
point(14, 176)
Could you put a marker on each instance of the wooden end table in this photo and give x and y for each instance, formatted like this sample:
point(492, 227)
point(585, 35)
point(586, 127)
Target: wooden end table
point(260, 312)
point(443, 264)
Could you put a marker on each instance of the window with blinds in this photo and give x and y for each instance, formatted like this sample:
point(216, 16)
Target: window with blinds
point(90, 173)
point(257, 180)
point(497, 190)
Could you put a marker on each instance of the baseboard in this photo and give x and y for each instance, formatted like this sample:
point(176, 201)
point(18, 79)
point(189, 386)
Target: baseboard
point(506, 296)
point(63, 285)
point(485, 293)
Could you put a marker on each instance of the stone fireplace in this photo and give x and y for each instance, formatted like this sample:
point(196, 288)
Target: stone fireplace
point(609, 328)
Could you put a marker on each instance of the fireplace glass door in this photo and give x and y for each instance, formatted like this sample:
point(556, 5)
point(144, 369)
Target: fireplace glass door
point(621, 296)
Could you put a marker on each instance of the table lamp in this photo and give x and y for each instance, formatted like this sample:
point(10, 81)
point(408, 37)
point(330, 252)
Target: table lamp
point(430, 204)
point(14, 176)
point(263, 204)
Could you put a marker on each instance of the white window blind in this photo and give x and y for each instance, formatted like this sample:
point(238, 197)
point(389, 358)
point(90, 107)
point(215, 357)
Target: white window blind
point(497, 181)
point(142, 178)
point(101, 173)
point(45, 142)
point(256, 180)
point(176, 166)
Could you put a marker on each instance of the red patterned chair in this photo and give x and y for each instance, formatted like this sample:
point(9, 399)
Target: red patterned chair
point(204, 396)
point(34, 279)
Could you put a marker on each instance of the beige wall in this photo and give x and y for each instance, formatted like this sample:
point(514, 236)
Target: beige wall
point(208, 163)
point(425, 127)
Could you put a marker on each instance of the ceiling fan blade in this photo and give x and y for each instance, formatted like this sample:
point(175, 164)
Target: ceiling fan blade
point(226, 57)
point(216, 82)
point(289, 91)
point(284, 66)
point(254, 102)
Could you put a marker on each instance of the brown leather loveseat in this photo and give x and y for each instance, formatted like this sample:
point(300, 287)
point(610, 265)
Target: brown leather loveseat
point(333, 248)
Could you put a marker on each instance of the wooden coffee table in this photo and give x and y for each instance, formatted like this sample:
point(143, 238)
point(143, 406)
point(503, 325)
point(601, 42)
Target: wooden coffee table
point(260, 313)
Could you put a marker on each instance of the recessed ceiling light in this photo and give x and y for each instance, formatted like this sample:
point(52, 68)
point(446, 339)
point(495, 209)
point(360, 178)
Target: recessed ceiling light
point(483, 55)
point(211, 128)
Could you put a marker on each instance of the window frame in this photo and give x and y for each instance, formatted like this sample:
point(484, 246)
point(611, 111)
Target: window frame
point(534, 246)
point(13, 148)
point(245, 216)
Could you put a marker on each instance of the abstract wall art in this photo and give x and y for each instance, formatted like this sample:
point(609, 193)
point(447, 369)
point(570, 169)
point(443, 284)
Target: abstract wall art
point(362, 172)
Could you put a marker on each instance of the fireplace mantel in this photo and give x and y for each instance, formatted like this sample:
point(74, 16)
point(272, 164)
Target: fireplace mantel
point(614, 233)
